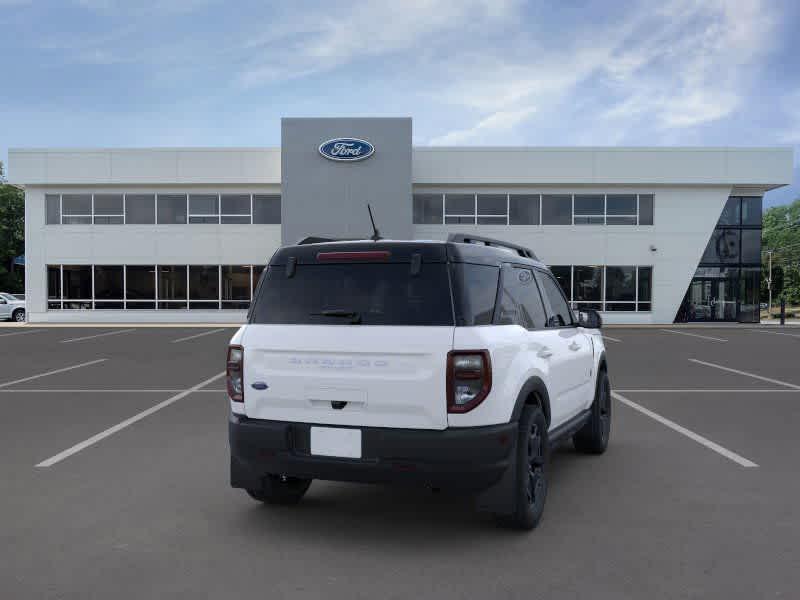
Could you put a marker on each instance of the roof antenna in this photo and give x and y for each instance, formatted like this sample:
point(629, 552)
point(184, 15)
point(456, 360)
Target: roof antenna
point(377, 234)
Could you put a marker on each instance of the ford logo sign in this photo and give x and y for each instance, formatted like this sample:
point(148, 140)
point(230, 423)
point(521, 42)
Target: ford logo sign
point(346, 149)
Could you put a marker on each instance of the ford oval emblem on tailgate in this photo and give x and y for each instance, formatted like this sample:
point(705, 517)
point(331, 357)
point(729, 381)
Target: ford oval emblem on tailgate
point(259, 385)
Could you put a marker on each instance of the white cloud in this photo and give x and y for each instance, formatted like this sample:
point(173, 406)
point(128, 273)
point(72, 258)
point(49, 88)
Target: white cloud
point(496, 122)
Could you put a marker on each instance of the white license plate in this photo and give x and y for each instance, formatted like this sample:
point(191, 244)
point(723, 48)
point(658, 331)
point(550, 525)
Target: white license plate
point(335, 441)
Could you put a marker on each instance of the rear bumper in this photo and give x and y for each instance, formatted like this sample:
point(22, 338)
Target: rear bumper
point(471, 458)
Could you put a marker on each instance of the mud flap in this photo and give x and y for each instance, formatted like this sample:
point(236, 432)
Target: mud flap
point(501, 498)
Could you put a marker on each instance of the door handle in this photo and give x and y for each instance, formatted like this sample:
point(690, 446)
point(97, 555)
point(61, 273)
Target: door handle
point(574, 346)
point(544, 352)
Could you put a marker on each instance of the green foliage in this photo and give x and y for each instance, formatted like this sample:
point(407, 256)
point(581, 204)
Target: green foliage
point(12, 235)
point(781, 234)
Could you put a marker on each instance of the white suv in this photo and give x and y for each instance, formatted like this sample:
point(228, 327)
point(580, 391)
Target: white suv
point(453, 365)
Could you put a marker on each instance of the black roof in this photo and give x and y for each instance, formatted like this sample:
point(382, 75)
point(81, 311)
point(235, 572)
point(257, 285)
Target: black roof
point(401, 251)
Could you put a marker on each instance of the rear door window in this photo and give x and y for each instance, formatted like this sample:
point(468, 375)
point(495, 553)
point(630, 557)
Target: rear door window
point(520, 302)
point(355, 294)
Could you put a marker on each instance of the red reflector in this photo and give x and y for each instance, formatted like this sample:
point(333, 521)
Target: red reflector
point(356, 256)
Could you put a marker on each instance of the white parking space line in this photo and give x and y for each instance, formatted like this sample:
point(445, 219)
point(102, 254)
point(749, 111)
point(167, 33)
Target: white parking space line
point(128, 391)
point(610, 339)
point(192, 337)
point(794, 335)
point(49, 462)
point(54, 372)
point(746, 374)
point(22, 332)
point(730, 455)
point(705, 391)
point(91, 337)
point(697, 335)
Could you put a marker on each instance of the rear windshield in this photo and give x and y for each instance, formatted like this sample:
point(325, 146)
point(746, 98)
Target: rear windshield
point(355, 294)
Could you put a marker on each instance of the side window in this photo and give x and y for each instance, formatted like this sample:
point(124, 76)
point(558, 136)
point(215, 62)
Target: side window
point(561, 314)
point(520, 302)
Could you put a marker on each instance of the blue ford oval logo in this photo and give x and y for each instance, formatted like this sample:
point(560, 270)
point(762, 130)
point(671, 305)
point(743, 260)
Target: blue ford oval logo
point(346, 149)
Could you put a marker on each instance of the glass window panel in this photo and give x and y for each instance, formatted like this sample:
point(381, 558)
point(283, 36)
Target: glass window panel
point(491, 220)
point(582, 220)
point(563, 275)
point(557, 209)
point(731, 212)
point(751, 246)
point(108, 220)
point(140, 283)
point(266, 209)
point(54, 306)
point(194, 305)
point(108, 204)
point(171, 209)
point(107, 305)
point(459, 204)
point(523, 209)
point(76, 204)
point(646, 209)
point(72, 220)
point(588, 306)
point(588, 284)
point(54, 282)
point(749, 295)
point(621, 204)
point(558, 305)
point(589, 204)
point(492, 204)
point(140, 305)
point(459, 220)
point(643, 307)
point(751, 211)
point(236, 204)
point(172, 305)
point(236, 282)
point(108, 282)
point(723, 247)
point(645, 284)
point(140, 209)
point(53, 209)
point(621, 306)
point(241, 305)
point(77, 282)
point(427, 209)
point(86, 305)
point(235, 220)
point(203, 282)
point(172, 282)
point(204, 220)
point(620, 284)
point(475, 291)
point(612, 220)
point(203, 204)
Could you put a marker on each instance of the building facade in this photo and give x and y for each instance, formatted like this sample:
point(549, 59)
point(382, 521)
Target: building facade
point(645, 235)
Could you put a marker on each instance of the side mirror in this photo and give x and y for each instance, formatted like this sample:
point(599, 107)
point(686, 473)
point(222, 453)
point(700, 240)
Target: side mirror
point(590, 319)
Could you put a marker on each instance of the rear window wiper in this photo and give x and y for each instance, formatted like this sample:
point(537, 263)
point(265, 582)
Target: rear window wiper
point(355, 318)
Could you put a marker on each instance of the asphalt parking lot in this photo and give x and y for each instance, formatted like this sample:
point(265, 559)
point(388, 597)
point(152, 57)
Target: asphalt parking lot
point(114, 484)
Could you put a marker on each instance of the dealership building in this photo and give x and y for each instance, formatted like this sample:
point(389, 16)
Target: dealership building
point(645, 235)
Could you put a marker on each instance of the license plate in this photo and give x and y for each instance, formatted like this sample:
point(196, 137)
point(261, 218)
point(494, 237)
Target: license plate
point(335, 441)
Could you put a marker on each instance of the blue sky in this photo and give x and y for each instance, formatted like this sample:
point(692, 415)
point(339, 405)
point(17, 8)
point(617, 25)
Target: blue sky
point(470, 72)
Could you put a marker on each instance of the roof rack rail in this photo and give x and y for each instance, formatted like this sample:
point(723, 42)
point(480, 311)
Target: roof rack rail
point(319, 239)
point(466, 238)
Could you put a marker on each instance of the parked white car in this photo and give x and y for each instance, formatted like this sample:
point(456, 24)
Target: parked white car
point(453, 364)
point(12, 308)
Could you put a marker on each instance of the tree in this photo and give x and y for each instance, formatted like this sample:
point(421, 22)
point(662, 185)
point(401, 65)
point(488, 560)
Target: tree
point(781, 234)
point(12, 235)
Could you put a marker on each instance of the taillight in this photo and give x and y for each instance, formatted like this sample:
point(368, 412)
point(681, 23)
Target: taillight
point(234, 372)
point(469, 379)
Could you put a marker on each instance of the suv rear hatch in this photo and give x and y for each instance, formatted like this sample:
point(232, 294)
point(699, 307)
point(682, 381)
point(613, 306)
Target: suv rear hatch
point(357, 337)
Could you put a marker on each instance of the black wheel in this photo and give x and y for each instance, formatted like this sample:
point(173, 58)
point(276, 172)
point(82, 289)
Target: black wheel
point(593, 437)
point(532, 457)
point(19, 315)
point(280, 489)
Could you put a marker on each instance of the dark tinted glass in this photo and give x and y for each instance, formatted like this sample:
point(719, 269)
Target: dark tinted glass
point(236, 282)
point(378, 294)
point(558, 306)
point(645, 284)
point(587, 284)
point(77, 282)
point(589, 204)
point(492, 204)
point(76, 204)
point(646, 209)
point(459, 220)
point(621, 204)
point(520, 303)
point(171, 209)
point(203, 282)
point(459, 204)
point(564, 277)
point(731, 213)
point(172, 282)
point(53, 208)
point(751, 245)
point(475, 291)
point(621, 284)
point(751, 211)
point(108, 282)
point(556, 209)
point(108, 204)
point(236, 204)
point(523, 209)
point(266, 209)
point(140, 209)
point(203, 204)
point(428, 209)
point(723, 247)
point(749, 295)
point(53, 281)
point(140, 283)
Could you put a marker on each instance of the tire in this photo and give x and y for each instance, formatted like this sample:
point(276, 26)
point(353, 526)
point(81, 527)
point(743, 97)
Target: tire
point(593, 437)
point(279, 489)
point(18, 315)
point(533, 453)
